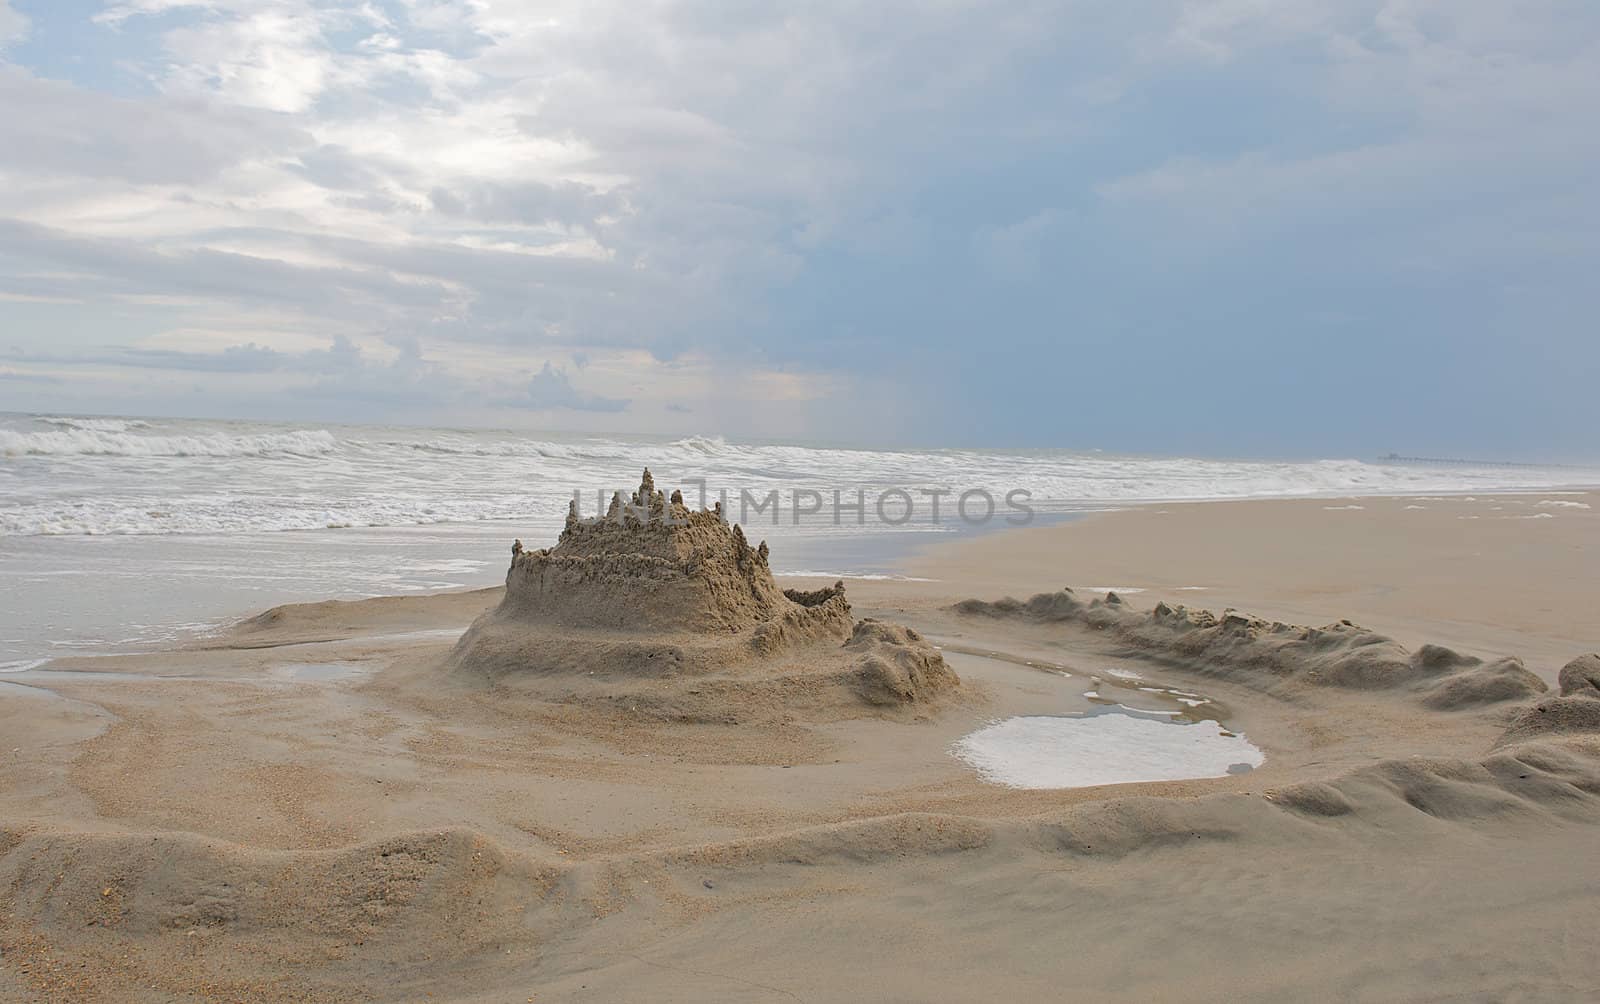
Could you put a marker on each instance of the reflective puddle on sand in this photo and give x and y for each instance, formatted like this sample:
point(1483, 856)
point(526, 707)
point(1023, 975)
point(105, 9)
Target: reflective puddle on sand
point(319, 672)
point(1111, 745)
point(280, 672)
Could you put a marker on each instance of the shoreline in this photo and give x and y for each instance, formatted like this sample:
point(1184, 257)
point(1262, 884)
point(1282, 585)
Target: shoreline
point(1020, 563)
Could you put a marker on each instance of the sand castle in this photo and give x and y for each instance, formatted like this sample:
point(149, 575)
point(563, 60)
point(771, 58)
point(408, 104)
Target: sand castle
point(651, 563)
point(652, 590)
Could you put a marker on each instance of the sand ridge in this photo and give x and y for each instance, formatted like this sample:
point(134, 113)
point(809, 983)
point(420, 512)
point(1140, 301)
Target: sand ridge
point(1342, 654)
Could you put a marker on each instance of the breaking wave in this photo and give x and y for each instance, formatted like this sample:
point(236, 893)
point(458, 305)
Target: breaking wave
point(97, 424)
point(81, 441)
point(467, 445)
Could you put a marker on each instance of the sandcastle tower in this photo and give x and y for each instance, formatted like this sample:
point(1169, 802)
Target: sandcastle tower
point(648, 563)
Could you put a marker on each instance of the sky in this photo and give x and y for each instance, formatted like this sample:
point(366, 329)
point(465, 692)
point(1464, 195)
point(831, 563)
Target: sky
point(1226, 227)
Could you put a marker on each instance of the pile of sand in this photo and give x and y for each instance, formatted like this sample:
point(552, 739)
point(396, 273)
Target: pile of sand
point(1581, 677)
point(670, 611)
point(1265, 653)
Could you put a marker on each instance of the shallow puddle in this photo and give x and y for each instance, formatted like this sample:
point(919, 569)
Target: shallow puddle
point(280, 672)
point(1110, 745)
point(319, 672)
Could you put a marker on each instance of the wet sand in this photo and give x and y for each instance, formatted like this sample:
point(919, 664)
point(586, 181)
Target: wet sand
point(312, 809)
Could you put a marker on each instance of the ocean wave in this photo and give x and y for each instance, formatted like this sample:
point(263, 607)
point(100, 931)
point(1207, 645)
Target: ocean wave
point(250, 478)
point(75, 441)
point(96, 424)
point(710, 445)
point(470, 446)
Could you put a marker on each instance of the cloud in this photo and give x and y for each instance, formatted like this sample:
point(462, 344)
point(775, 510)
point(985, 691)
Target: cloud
point(13, 25)
point(359, 290)
point(8, 373)
point(551, 389)
point(526, 203)
point(340, 370)
point(852, 192)
point(1012, 252)
point(56, 129)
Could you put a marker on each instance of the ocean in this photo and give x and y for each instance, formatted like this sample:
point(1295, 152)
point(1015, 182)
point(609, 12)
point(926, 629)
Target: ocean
point(120, 534)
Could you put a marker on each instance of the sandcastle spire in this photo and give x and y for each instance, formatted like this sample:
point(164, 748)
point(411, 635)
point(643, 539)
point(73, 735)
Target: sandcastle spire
point(651, 560)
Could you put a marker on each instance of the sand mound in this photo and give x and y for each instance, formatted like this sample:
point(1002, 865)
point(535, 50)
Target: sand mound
point(1581, 677)
point(334, 620)
point(183, 917)
point(895, 666)
point(1554, 716)
point(1238, 646)
point(670, 610)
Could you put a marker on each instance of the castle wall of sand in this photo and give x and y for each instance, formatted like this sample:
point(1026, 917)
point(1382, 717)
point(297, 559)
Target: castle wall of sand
point(653, 592)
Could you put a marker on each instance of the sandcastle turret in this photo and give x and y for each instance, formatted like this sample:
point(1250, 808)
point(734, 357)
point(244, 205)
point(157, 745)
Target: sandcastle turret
point(648, 563)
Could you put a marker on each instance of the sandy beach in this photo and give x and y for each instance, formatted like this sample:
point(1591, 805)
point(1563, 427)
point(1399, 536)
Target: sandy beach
point(353, 801)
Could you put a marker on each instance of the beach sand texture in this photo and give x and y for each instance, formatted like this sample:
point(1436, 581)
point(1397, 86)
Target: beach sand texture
point(720, 790)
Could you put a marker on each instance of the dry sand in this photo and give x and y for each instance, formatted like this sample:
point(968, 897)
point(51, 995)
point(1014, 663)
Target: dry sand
point(1495, 575)
point(323, 805)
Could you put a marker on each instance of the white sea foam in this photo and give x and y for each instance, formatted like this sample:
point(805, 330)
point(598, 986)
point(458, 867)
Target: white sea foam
point(1563, 504)
point(96, 424)
point(65, 475)
point(77, 441)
